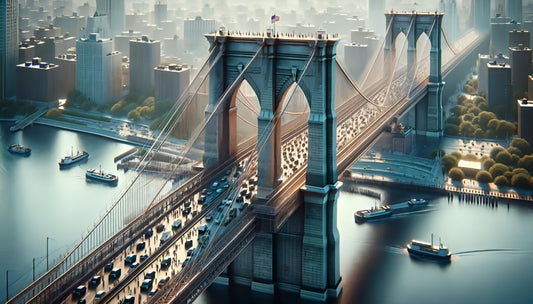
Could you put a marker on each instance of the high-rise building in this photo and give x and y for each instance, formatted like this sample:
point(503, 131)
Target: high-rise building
point(499, 36)
point(97, 24)
point(122, 41)
point(482, 68)
point(115, 11)
point(9, 43)
point(481, 12)
point(514, 10)
point(160, 12)
point(376, 16)
point(525, 123)
point(97, 69)
point(517, 37)
point(71, 24)
point(194, 31)
point(145, 55)
point(520, 69)
point(499, 93)
point(171, 81)
point(38, 80)
point(450, 21)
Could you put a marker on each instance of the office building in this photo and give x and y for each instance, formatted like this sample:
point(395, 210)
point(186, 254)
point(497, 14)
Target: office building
point(482, 68)
point(71, 24)
point(514, 10)
point(115, 12)
point(171, 81)
point(145, 55)
point(519, 37)
point(98, 69)
point(481, 12)
point(98, 24)
point(160, 12)
point(525, 121)
point(38, 80)
point(67, 72)
point(194, 31)
point(520, 69)
point(26, 52)
point(9, 43)
point(499, 94)
point(499, 37)
point(122, 41)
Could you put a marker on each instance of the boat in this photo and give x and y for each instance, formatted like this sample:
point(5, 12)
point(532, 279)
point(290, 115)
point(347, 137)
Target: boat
point(416, 202)
point(73, 158)
point(372, 213)
point(425, 249)
point(18, 149)
point(101, 176)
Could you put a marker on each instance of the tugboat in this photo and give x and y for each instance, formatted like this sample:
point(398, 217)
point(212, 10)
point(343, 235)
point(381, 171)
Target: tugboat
point(101, 176)
point(72, 159)
point(425, 249)
point(18, 149)
point(362, 216)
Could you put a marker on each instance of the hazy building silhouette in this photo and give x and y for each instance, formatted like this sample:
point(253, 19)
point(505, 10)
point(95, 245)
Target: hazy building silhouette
point(122, 41)
point(71, 24)
point(514, 10)
point(97, 69)
point(160, 12)
point(376, 16)
point(499, 35)
point(97, 24)
point(38, 80)
point(26, 52)
point(520, 69)
point(450, 21)
point(67, 72)
point(145, 55)
point(115, 12)
point(9, 42)
point(194, 31)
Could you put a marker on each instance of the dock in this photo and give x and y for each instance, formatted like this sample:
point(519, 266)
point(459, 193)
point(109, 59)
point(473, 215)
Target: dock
point(26, 121)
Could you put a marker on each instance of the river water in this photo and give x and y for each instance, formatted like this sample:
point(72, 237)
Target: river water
point(492, 247)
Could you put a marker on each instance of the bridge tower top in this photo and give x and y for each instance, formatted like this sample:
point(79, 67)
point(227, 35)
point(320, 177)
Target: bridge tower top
point(223, 35)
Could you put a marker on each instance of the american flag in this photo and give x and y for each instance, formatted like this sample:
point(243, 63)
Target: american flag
point(274, 18)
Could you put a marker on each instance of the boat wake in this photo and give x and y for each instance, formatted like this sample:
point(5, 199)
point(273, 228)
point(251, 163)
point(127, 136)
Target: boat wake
point(395, 250)
point(510, 250)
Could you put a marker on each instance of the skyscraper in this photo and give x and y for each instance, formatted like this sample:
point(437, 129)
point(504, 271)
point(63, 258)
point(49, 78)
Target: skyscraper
point(145, 55)
point(8, 47)
point(194, 31)
point(514, 10)
point(115, 12)
point(376, 16)
point(160, 12)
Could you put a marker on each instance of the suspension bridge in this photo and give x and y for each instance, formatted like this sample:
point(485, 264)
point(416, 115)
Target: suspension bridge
point(282, 121)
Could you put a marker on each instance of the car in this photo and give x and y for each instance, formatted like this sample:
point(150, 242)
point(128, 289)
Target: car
point(140, 246)
point(82, 301)
point(214, 185)
point(223, 179)
point(163, 281)
point(204, 191)
point(166, 263)
point(219, 191)
point(203, 229)
point(99, 295)
point(143, 257)
point(129, 300)
point(209, 218)
point(152, 292)
point(187, 204)
point(79, 292)
point(108, 267)
point(150, 275)
point(148, 233)
point(146, 285)
point(160, 228)
point(132, 258)
point(188, 244)
point(190, 252)
point(115, 274)
point(185, 262)
point(165, 236)
point(176, 224)
point(94, 282)
point(134, 265)
point(201, 199)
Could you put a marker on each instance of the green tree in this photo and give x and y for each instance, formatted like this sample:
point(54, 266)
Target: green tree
point(488, 163)
point(521, 144)
point(458, 110)
point(479, 133)
point(458, 155)
point(520, 170)
point(474, 110)
point(449, 161)
point(468, 117)
point(461, 99)
point(478, 100)
point(456, 174)
point(451, 129)
point(470, 157)
point(498, 169)
point(494, 151)
point(470, 89)
point(483, 176)
point(501, 181)
point(456, 120)
point(504, 157)
point(515, 151)
point(520, 180)
point(526, 162)
point(466, 128)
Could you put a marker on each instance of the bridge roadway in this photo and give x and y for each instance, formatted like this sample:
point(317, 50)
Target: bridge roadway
point(277, 204)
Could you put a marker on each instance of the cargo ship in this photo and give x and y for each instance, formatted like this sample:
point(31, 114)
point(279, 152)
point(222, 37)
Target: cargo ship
point(72, 159)
point(373, 213)
point(101, 176)
point(425, 249)
point(18, 149)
